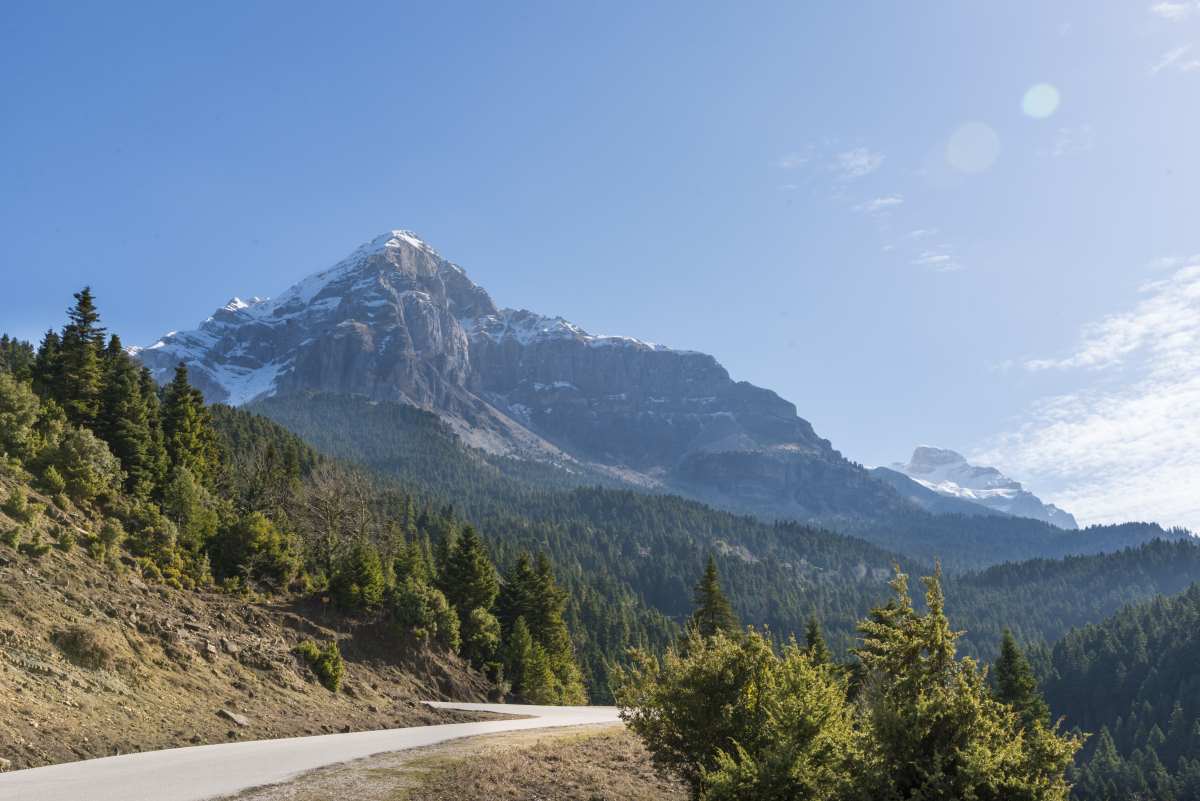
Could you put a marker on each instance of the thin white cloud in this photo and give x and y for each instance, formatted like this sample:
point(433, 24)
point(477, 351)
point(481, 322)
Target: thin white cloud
point(1175, 10)
point(880, 204)
point(1176, 59)
point(857, 162)
point(939, 258)
point(1124, 445)
point(1164, 322)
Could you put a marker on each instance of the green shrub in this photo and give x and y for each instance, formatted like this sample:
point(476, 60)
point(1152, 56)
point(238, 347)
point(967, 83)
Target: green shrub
point(20, 508)
point(18, 418)
point(112, 534)
point(87, 466)
point(326, 662)
point(35, 548)
point(424, 611)
point(11, 537)
point(255, 549)
point(53, 482)
point(66, 539)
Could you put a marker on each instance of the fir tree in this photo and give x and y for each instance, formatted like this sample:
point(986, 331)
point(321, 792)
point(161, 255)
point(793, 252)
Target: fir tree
point(80, 371)
point(713, 611)
point(814, 643)
point(1016, 685)
point(188, 436)
point(123, 421)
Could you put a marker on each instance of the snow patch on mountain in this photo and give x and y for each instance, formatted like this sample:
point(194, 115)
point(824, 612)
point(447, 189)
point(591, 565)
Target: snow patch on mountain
point(949, 474)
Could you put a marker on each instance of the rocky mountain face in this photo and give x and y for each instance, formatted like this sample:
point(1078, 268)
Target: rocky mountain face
point(948, 474)
point(395, 321)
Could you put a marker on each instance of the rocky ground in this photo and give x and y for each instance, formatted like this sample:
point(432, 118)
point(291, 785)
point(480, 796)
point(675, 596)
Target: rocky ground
point(591, 764)
point(94, 661)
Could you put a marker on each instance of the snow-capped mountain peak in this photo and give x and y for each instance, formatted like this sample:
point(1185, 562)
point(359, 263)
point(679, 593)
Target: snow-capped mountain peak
point(948, 473)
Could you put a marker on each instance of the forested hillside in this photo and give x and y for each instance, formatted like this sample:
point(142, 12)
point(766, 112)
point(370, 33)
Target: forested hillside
point(653, 547)
point(200, 498)
point(419, 448)
point(1134, 682)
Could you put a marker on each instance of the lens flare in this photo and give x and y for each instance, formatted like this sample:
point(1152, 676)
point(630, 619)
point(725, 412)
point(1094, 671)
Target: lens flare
point(1040, 101)
point(973, 148)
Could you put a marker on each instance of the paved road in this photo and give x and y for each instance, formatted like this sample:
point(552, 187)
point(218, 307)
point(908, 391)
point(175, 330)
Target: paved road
point(209, 771)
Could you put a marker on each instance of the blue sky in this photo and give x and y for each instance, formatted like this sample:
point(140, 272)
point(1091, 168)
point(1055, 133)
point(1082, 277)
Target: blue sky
point(847, 203)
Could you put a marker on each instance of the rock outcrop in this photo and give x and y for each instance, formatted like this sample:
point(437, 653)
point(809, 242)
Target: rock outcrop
point(395, 321)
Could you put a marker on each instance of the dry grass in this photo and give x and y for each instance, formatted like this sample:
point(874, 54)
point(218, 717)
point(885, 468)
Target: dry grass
point(592, 764)
point(611, 766)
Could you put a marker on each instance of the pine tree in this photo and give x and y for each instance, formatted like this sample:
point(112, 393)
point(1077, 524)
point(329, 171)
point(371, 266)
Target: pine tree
point(814, 643)
point(936, 730)
point(713, 611)
point(471, 584)
point(188, 436)
point(517, 651)
point(470, 581)
point(123, 421)
point(47, 367)
point(1016, 685)
point(80, 372)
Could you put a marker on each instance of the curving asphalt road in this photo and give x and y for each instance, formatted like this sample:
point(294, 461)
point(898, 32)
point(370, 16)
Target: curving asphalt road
point(209, 771)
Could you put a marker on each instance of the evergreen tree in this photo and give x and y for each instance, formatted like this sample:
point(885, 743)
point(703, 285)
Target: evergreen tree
point(46, 366)
point(713, 611)
point(470, 583)
point(358, 583)
point(187, 432)
point(1016, 685)
point(123, 421)
point(814, 643)
point(517, 651)
point(936, 730)
point(80, 370)
point(470, 580)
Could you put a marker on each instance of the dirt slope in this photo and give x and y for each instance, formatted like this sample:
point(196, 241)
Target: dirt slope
point(94, 661)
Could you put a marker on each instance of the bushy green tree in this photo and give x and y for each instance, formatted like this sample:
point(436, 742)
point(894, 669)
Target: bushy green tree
point(87, 466)
point(192, 509)
point(480, 636)
point(935, 730)
point(19, 409)
point(254, 549)
point(424, 611)
point(690, 708)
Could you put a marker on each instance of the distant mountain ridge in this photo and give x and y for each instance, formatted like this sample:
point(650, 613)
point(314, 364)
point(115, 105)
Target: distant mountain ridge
point(950, 475)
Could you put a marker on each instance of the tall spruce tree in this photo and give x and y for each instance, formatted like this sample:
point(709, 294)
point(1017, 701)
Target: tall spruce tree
point(713, 610)
point(814, 643)
point(123, 421)
point(1016, 685)
point(80, 374)
point(188, 435)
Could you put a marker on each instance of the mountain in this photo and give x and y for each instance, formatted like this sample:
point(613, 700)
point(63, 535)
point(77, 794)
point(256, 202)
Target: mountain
point(395, 321)
point(948, 474)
